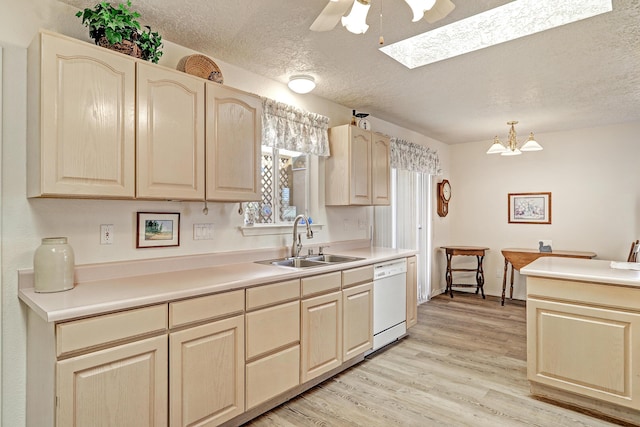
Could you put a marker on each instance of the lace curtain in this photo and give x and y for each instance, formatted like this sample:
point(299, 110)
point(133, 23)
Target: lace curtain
point(413, 157)
point(288, 127)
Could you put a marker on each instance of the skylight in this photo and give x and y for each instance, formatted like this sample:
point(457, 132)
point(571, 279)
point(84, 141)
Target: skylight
point(508, 22)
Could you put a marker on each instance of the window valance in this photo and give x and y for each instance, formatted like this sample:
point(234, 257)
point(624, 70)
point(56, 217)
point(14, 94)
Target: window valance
point(288, 127)
point(414, 157)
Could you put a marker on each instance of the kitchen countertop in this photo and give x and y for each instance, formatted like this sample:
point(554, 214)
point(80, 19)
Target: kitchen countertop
point(102, 296)
point(585, 270)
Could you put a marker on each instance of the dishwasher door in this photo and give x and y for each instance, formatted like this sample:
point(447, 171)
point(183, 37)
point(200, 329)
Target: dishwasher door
point(389, 305)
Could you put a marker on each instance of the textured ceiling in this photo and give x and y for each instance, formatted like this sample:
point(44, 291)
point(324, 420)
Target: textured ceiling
point(579, 75)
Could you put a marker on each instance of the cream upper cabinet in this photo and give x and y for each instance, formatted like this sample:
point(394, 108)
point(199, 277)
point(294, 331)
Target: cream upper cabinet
point(170, 134)
point(81, 130)
point(358, 171)
point(412, 291)
point(380, 169)
point(234, 134)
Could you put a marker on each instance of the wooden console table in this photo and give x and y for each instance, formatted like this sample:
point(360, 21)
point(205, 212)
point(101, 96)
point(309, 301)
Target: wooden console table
point(478, 252)
point(518, 258)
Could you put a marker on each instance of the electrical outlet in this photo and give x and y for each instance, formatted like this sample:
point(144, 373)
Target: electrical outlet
point(106, 234)
point(499, 272)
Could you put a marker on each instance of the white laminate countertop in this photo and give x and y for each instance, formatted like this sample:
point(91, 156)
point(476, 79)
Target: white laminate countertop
point(586, 270)
point(101, 296)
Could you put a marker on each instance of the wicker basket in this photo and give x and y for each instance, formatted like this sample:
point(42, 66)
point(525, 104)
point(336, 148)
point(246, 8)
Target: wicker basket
point(201, 66)
point(126, 46)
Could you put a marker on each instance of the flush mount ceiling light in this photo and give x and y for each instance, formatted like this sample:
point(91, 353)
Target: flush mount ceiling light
point(512, 146)
point(301, 83)
point(508, 22)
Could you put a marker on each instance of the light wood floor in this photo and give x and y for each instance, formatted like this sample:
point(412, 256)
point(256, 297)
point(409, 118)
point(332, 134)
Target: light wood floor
point(464, 364)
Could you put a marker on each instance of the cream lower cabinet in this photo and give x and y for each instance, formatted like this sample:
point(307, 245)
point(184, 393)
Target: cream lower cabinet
point(120, 386)
point(103, 382)
point(81, 133)
point(321, 325)
point(584, 338)
point(272, 341)
point(170, 134)
point(234, 134)
point(412, 291)
point(357, 311)
point(206, 365)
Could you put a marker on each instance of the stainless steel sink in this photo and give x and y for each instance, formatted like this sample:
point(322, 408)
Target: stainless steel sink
point(298, 263)
point(293, 262)
point(309, 261)
point(328, 258)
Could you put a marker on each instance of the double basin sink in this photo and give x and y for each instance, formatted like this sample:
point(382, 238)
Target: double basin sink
point(309, 261)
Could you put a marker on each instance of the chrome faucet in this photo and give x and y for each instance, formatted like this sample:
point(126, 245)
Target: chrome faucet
point(296, 246)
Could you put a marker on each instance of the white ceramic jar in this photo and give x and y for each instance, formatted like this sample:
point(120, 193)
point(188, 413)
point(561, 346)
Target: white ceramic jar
point(53, 265)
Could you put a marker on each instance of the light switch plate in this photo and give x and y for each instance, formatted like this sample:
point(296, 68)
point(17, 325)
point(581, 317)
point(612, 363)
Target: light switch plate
point(203, 231)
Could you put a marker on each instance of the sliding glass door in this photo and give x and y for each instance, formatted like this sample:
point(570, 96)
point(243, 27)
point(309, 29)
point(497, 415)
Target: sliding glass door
point(407, 222)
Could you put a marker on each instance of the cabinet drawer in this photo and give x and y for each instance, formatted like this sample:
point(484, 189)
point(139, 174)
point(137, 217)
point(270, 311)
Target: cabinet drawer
point(205, 308)
point(321, 284)
point(266, 295)
point(272, 375)
point(272, 328)
point(358, 275)
point(109, 328)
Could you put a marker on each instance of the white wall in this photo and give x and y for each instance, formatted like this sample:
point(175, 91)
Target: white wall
point(594, 178)
point(25, 221)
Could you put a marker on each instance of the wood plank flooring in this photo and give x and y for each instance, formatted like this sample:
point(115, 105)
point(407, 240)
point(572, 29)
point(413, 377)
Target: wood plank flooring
point(464, 364)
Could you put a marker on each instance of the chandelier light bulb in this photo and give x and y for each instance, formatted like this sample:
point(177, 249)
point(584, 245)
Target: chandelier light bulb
point(419, 7)
point(356, 21)
point(531, 144)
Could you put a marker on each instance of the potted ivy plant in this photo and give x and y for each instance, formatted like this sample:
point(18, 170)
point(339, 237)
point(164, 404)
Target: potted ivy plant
point(117, 28)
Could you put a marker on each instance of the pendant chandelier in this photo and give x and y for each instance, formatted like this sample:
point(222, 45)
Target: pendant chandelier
point(512, 149)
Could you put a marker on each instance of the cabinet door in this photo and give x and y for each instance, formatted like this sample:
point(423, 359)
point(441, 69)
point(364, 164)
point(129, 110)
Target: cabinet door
point(321, 335)
point(234, 134)
point(170, 160)
point(120, 386)
point(358, 320)
point(85, 146)
point(380, 170)
point(412, 291)
point(360, 179)
point(207, 373)
point(589, 351)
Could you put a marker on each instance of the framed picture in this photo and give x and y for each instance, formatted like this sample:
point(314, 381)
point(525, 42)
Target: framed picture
point(530, 208)
point(157, 230)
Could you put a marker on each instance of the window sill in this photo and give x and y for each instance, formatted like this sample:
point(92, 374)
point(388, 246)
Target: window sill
point(275, 229)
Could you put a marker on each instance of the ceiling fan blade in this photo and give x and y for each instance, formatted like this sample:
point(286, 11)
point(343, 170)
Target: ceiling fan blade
point(330, 15)
point(441, 9)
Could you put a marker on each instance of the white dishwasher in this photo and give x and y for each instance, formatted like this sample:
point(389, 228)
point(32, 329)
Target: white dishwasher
point(389, 302)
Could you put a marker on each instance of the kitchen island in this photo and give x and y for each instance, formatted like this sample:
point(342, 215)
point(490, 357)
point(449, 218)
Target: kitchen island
point(583, 335)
